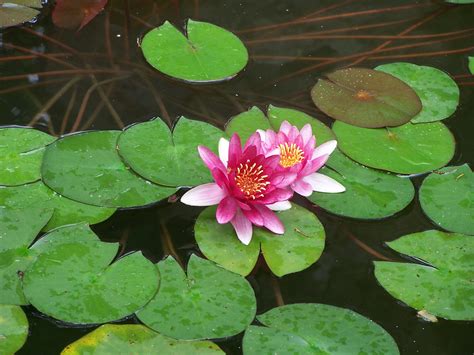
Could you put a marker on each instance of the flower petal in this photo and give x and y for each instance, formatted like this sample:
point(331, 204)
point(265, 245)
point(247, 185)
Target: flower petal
point(302, 187)
point(235, 151)
point(282, 180)
point(285, 127)
point(224, 151)
point(306, 133)
point(204, 195)
point(280, 206)
point(226, 210)
point(270, 220)
point(323, 183)
point(275, 196)
point(254, 216)
point(325, 149)
point(210, 159)
point(243, 227)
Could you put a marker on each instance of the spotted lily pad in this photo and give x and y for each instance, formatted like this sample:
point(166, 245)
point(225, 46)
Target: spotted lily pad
point(370, 194)
point(16, 12)
point(316, 329)
point(155, 153)
point(22, 151)
point(13, 329)
point(248, 122)
point(439, 93)
point(297, 249)
point(444, 287)
point(136, 339)
point(366, 98)
point(73, 280)
point(447, 198)
point(86, 167)
point(209, 302)
point(206, 53)
point(408, 149)
point(18, 229)
point(66, 211)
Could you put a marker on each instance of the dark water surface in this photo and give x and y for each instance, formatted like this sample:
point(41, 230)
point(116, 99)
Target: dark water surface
point(289, 48)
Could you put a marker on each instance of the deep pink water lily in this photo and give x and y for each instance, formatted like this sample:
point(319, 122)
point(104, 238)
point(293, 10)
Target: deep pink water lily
point(299, 158)
point(248, 185)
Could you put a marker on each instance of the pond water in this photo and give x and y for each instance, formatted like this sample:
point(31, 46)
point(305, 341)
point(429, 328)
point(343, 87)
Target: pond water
point(291, 43)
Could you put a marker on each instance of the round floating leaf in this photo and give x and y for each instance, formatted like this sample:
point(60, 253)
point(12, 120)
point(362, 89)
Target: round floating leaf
point(297, 249)
point(136, 339)
point(444, 289)
point(408, 149)
point(366, 98)
point(370, 194)
point(460, 1)
point(66, 211)
point(447, 198)
point(439, 93)
point(246, 123)
point(471, 63)
point(13, 329)
point(72, 279)
point(16, 12)
point(18, 229)
point(169, 159)
point(316, 329)
point(207, 53)
point(22, 151)
point(87, 168)
point(210, 302)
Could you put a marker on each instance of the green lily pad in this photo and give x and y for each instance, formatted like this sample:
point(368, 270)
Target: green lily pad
point(66, 211)
point(209, 302)
point(169, 159)
point(135, 339)
point(72, 279)
point(461, 1)
point(207, 53)
point(444, 289)
point(471, 63)
point(366, 98)
point(16, 12)
point(447, 198)
point(13, 329)
point(296, 250)
point(86, 167)
point(246, 123)
point(316, 329)
point(408, 149)
point(18, 229)
point(439, 93)
point(22, 151)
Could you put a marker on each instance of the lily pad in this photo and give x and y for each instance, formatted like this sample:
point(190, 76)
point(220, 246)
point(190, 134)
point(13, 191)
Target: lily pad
point(18, 229)
point(16, 12)
point(169, 159)
point(296, 250)
point(447, 198)
point(86, 167)
point(316, 329)
point(439, 93)
point(246, 123)
point(209, 302)
point(370, 194)
point(73, 280)
point(471, 64)
point(461, 1)
point(366, 98)
point(66, 211)
point(13, 329)
point(206, 53)
point(408, 149)
point(22, 151)
point(136, 339)
point(444, 288)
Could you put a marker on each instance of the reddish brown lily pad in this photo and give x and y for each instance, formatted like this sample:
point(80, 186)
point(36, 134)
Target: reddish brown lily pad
point(366, 98)
point(76, 13)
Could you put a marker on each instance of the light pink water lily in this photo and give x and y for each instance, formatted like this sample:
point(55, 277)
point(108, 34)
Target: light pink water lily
point(299, 158)
point(248, 185)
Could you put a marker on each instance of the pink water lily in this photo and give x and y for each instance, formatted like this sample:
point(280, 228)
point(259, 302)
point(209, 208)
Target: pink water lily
point(248, 186)
point(299, 158)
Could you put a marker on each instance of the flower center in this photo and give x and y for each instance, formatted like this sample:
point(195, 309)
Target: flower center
point(251, 180)
point(290, 155)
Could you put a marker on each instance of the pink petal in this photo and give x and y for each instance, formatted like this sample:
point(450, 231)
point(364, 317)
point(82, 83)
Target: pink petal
point(302, 187)
point(306, 133)
point(242, 227)
point(235, 151)
point(221, 179)
point(203, 195)
point(254, 216)
point(276, 196)
point(313, 165)
point(280, 206)
point(285, 127)
point(256, 141)
point(325, 149)
point(226, 210)
point(323, 183)
point(282, 180)
point(210, 159)
point(270, 220)
point(224, 151)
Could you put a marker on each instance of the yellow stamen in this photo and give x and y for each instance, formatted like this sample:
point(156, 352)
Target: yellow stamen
point(290, 155)
point(251, 180)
